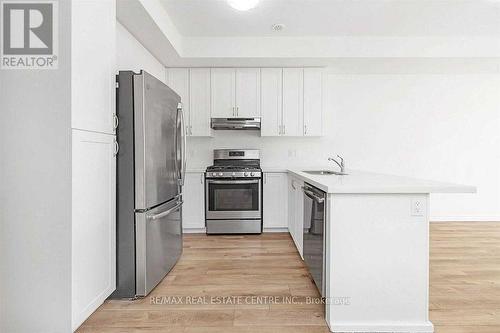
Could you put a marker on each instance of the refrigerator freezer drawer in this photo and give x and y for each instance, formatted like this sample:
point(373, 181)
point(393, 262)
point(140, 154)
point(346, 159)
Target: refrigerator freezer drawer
point(158, 244)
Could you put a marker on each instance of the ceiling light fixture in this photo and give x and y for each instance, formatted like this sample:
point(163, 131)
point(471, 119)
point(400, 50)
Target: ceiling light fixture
point(278, 27)
point(243, 4)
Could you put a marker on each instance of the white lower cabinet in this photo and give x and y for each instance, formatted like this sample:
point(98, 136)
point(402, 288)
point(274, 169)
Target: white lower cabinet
point(193, 210)
point(275, 201)
point(296, 212)
point(93, 222)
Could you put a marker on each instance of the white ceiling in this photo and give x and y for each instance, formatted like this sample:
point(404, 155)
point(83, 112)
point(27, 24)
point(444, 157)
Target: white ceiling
point(331, 18)
point(210, 33)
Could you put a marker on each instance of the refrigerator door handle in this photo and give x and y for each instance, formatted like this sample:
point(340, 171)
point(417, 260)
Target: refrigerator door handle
point(165, 213)
point(183, 147)
point(176, 144)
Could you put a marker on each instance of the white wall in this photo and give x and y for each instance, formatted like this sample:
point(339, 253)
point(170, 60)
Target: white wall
point(35, 194)
point(132, 55)
point(436, 119)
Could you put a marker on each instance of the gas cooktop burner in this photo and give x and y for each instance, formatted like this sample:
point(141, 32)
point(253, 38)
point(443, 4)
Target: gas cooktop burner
point(233, 172)
point(230, 168)
point(229, 163)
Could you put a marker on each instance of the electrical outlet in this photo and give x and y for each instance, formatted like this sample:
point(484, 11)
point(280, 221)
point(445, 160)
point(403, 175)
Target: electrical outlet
point(417, 207)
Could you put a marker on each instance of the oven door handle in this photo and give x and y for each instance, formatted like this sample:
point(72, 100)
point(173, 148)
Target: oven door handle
point(233, 181)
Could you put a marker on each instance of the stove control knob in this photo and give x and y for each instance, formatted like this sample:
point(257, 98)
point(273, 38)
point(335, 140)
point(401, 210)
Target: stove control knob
point(214, 174)
point(221, 174)
point(251, 174)
point(245, 174)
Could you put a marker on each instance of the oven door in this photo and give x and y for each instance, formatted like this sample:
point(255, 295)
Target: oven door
point(233, 199)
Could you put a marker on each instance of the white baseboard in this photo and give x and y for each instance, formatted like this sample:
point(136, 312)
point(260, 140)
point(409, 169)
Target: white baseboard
point(77, 318)
point(204, 230)
point(275, 229)
point(194, 230)
point(492, 218)
point(425, 327)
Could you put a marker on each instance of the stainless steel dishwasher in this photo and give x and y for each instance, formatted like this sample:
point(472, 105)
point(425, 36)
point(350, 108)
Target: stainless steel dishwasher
point(314, 230)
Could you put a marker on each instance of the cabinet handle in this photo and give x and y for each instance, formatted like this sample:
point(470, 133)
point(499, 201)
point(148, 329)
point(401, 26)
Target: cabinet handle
point(234, 111)
point(190, 130)
point(117, 148)
point(284, 130)
point(237, 111)
point(305, 129)
point(115, 121)
point(201, 178)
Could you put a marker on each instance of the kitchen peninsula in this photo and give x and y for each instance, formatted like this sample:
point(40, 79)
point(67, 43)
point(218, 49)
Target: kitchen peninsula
point(376, 248)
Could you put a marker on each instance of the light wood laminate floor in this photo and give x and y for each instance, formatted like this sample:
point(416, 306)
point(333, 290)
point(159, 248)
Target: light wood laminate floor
point(464, 287)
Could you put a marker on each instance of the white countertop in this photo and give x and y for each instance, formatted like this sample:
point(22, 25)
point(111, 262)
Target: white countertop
point(366, 182)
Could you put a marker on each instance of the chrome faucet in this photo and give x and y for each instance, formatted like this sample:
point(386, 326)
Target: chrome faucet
point(341, 164)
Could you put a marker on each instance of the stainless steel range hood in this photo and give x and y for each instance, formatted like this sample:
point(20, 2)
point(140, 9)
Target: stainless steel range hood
point(235, 123)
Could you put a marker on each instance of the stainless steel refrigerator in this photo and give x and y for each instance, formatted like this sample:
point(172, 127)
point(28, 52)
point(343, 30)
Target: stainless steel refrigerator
point(151, 166)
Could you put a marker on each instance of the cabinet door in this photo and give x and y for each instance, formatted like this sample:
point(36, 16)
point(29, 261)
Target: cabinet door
point(296, 212)
point(291, 207)
point(193, 193)
point(248, 92)
point(93, 222)
point(178, 80)
point(92, 70)
point(223, 92)
point(293, 106)
point(199, 101)
point(313, 106)
point(275, 200)
point(299, 213)
point(271, 99)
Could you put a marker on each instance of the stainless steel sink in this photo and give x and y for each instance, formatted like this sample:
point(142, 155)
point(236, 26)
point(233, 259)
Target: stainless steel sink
point(325, 172)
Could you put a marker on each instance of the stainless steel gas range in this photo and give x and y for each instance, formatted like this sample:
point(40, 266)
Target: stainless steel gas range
point(233, 192)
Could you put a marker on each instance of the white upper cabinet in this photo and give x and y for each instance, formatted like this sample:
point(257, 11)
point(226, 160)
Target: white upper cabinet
point(235, 92)
point(271, 99)
point(199, 102)
point(93, 71)
point(193, 211)
point(193, 86)
point(178, 80)
point(313, 97)
point(293, 103)
point(275, 200)
point(288, 100)
point(223, 92)
point(247, 90)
